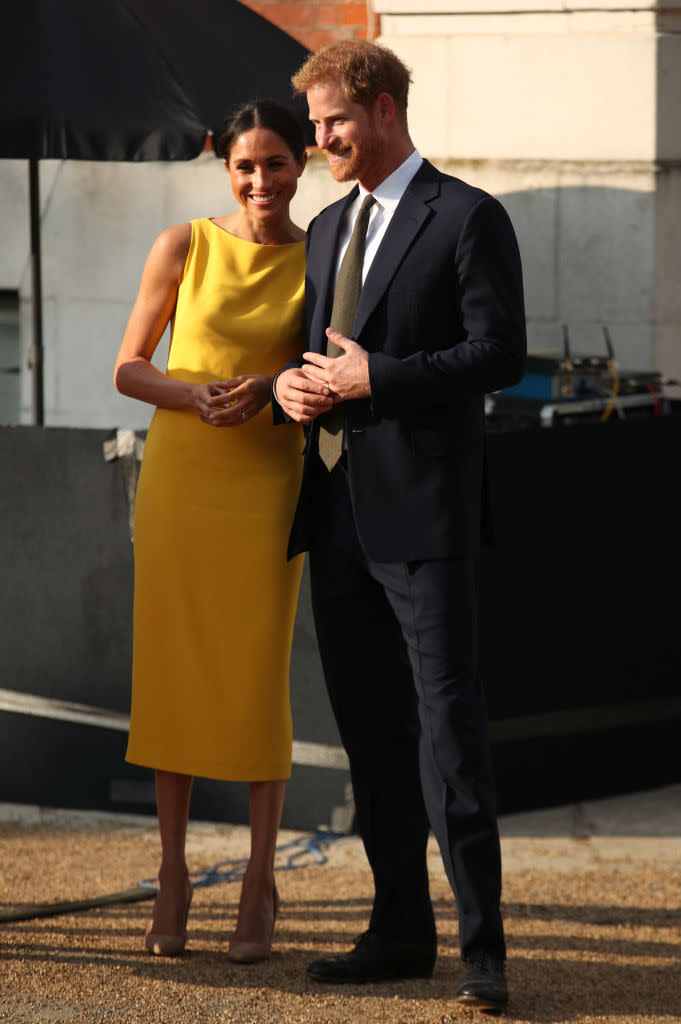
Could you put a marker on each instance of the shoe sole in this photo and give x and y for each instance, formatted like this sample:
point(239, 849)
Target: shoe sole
point(486, 1005)
point(373, 979)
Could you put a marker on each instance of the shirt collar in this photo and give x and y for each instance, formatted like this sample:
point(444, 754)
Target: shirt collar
point(392, 188)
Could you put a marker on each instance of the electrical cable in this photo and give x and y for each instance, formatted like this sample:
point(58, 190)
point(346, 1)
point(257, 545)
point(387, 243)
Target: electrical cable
point(31, 910)
point(223, 871)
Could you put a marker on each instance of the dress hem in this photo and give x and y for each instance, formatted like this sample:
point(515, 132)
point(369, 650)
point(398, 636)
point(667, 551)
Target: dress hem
point(213, 774)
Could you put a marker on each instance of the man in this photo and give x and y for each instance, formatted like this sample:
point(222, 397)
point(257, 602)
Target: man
point(393, 505)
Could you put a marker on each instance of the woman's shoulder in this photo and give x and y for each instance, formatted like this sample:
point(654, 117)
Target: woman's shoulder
point(171, 247)
point(175, 239)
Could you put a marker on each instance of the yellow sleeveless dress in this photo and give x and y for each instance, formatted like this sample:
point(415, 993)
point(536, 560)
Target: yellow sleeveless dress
point(215, 598)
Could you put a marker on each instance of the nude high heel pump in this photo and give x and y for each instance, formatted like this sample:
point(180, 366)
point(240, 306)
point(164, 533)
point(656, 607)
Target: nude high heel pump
point(254, 952)
point(168, 945)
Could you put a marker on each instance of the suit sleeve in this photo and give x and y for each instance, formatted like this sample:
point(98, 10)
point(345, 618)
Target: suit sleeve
point(488, 320)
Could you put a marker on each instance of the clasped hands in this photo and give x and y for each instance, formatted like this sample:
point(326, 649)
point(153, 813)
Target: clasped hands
point(229, 403)
point(305, 393)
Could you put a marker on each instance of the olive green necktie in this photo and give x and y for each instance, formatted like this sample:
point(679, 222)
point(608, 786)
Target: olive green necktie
point(345, 299)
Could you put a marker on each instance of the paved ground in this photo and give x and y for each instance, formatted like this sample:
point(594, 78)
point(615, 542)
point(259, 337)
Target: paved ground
point(592, 905)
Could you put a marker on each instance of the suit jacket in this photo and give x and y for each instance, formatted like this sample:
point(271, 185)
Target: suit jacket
point(441, 314)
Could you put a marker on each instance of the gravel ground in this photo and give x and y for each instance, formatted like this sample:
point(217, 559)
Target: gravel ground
point(591, 905)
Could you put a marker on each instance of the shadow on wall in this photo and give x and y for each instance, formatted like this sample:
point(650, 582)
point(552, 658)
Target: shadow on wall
point(588, 259)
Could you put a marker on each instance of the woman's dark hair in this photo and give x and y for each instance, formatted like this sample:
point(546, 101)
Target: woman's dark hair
point(262, 114)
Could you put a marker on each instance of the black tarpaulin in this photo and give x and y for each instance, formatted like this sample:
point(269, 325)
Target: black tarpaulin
point(127, 80)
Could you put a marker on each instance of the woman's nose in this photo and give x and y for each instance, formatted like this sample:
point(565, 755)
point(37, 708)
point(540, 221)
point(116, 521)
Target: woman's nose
point(261, 178)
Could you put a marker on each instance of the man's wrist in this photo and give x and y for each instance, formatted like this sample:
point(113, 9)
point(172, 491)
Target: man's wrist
point(274, 385)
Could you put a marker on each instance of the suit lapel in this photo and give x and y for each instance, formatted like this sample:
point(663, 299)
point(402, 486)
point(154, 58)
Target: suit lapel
point(321, 273)
point(411, 213)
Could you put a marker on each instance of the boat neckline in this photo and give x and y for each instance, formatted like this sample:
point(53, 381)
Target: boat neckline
point(262, 245)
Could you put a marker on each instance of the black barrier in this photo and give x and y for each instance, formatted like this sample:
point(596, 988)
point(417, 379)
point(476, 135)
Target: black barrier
point(579, 616)
point(579, 610)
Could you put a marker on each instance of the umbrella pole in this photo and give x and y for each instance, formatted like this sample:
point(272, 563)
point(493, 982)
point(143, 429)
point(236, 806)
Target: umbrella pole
point(35, 354)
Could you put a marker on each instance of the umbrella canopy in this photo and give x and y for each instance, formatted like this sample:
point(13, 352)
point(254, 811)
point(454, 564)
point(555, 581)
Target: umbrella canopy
point(128, 80)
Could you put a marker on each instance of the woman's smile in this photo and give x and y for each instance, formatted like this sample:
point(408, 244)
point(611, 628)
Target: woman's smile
point(264, 174)
point(263, 200)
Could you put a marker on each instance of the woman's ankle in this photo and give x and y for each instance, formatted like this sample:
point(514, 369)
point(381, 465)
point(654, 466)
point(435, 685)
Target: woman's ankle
point(173, 873)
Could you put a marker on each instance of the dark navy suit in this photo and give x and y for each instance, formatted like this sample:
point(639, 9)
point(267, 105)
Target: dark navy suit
point(391, 534)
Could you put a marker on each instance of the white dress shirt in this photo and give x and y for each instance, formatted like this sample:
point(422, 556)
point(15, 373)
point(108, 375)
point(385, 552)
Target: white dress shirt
point(387, 196)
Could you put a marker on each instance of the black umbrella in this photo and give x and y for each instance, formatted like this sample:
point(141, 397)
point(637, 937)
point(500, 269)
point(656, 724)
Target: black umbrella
point(127, 80)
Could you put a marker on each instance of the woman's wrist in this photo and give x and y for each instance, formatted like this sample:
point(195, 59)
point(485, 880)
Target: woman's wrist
point(190, 395)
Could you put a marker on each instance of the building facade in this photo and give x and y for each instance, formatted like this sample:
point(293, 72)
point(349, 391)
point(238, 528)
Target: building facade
point(571, 116)
point(315, 23)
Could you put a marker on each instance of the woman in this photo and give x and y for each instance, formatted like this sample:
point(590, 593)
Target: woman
point(214, 596)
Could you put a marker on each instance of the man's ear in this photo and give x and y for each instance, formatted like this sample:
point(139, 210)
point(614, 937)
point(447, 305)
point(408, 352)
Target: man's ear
point(385, 107)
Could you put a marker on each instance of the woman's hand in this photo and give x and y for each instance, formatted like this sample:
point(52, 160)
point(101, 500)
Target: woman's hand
point(232, 402)
point(199, 400)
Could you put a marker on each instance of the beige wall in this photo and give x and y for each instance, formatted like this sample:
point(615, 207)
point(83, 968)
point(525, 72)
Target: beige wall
point(571, 113)
point(418, 7)
point(98, 223)
point(572, 119)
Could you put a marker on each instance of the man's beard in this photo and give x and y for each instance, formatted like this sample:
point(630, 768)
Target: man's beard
point(360, 157)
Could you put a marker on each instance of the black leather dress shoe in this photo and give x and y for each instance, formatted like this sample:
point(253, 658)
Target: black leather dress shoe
point(483, 983)
point(374, 958)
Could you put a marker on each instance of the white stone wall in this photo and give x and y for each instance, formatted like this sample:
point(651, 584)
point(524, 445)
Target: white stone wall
point(569, 112)
point(587, 250)
point(98, 223)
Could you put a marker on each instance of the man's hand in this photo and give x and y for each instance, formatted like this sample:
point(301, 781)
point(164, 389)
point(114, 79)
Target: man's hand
point(301, 397)
point(346, 376)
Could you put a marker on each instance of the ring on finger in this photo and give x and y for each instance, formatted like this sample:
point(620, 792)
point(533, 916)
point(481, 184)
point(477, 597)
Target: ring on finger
point(244, 415)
